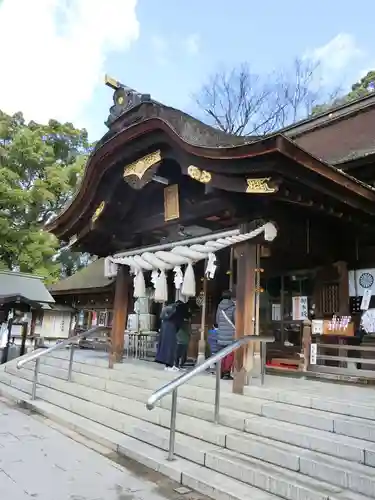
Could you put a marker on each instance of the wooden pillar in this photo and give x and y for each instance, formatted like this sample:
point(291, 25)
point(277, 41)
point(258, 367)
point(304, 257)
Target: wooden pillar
point(342, 269)
point(306, 344)
point(245, 312)
point(120, 314)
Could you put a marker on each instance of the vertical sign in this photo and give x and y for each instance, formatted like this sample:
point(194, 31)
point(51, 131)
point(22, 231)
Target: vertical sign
point(300, 308)
point(171, 203)
point(276, 312)
point(81, 317)
point(313, 354)
point(94, 318)
point(365, 303)
point(317, 327)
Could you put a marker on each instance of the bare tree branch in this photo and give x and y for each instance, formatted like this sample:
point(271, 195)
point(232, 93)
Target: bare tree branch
point(241, 102)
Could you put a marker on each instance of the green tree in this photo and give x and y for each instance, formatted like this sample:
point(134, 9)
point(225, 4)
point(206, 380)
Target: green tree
point(40, 168)
point(70, 262)
point(365, 86)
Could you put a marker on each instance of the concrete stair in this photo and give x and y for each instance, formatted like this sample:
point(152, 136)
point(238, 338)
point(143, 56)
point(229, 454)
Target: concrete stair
point(313, 441)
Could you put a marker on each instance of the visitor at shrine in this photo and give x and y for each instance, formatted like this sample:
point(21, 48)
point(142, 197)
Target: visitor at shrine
point(225, 320)
point(183, 339)
point(172, 318)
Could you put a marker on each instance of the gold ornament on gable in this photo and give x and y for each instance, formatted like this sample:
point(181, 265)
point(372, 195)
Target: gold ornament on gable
point(140, 167)
point(260, 186)
point(199, 175)
point(98, 212)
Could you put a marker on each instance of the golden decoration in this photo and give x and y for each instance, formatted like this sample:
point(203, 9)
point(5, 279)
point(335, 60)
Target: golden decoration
point(111, 82)
point(260, 186)
point(171, 203)
point(98, 211)
point(140, 167)
point(199, 175)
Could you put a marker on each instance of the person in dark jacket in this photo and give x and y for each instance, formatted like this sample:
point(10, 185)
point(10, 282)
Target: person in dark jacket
point(167, 346)
point(183, 339)
point(172, 318)
point(226, 320)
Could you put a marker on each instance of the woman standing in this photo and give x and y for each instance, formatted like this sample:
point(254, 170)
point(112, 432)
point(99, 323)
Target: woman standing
point(225, 320)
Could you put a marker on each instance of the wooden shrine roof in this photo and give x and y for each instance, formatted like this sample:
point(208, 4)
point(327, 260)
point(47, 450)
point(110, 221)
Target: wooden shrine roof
point(340, 134)
point(140, 126)
point(87, 279)
point(28, 286)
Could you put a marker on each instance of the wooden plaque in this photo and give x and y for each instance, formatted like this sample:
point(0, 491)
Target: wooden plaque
point(171, 203)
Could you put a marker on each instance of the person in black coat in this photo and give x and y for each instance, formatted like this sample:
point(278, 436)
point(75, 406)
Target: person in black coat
point(172, 318)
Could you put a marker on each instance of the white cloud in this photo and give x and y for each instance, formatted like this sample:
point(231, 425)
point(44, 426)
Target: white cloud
point(336, 58)
point(192, 44)
point(55, 51)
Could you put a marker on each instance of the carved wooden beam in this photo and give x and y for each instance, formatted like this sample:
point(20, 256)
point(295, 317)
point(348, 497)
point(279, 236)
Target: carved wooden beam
point(188, 212)
point(253, 185)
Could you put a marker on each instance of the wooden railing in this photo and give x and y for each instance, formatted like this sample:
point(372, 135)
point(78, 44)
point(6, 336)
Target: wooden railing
point(346, 360)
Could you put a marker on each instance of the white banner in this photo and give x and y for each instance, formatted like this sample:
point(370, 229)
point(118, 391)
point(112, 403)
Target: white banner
point(365, 304)
point(313, 354)
point(300, 308)
point(361, 280)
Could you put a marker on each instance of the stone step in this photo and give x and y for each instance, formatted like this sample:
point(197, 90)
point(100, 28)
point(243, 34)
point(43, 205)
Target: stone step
point(352, 449)
point(215, 485)
point(270, 478)
point(339, 472)
point(234, 409)
point(197, 427)
point(137, 374)
point(195, 408)
point(288, 485)
point(349, 475)
point(66, 394)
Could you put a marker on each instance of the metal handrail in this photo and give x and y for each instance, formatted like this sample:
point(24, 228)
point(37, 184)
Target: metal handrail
point(36, 355)
point(171, 387)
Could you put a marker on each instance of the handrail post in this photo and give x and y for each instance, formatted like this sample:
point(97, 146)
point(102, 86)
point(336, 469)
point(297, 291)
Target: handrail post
point(35, 379)
point(172, 432)
point(71, 358)
point(217, 393)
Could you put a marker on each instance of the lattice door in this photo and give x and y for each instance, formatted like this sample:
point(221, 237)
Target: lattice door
point(330, 298)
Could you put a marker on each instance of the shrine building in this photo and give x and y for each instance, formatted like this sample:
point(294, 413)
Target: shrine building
point(175, 206)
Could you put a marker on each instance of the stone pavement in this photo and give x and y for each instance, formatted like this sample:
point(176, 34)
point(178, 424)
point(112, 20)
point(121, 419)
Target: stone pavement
point(37, 461)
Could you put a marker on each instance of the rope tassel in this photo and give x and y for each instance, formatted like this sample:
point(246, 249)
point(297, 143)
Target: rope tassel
point(139, 285)
point(188, 286)
point(161, 288)
point(178, 277)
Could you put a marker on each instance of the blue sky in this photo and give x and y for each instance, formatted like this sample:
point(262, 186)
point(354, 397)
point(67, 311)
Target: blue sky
point(168, 48)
